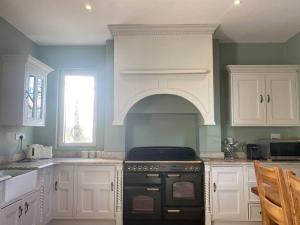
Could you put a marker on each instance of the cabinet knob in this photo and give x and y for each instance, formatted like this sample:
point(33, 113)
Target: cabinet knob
point(215, 187)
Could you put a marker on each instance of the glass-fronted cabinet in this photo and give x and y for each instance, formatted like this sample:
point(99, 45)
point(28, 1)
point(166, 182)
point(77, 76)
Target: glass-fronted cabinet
point(23, 91)
point(34, 99)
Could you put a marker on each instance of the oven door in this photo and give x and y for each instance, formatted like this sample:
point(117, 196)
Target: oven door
point(142, 202)
point(184, 189)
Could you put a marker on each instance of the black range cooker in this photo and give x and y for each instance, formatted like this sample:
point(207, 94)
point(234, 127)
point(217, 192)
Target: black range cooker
point(163, 185)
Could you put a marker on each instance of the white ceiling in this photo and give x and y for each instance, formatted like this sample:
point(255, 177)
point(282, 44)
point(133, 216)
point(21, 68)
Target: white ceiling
point(67, 22)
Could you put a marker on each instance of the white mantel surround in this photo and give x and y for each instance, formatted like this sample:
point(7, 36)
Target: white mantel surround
point(163, 59)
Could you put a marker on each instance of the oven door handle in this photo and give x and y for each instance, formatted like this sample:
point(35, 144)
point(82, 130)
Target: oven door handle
point(174, 211)
point(152, 189)
point(173, 175)
point(152, 175)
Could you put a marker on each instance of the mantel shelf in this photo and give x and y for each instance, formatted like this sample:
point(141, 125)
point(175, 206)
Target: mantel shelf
point(165, 72)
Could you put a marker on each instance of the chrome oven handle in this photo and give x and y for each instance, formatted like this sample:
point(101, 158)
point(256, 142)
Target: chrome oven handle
point(174, 211)
point(152, 175)
point(173, 175)
point(152, 189)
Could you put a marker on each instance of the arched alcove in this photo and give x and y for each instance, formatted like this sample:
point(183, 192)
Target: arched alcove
point(205, 114)
point(162, 120)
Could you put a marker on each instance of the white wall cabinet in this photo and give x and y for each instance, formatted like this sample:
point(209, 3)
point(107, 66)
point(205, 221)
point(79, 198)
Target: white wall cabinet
point(22, 212)
point(95, 192)
point(264, 95)
point(63, 190)
point(23, 91)
point(228, 193)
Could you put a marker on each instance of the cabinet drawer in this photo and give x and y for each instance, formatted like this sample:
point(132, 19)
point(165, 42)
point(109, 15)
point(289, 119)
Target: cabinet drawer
point(251, 174)
point(251, 196)
point(254, 211)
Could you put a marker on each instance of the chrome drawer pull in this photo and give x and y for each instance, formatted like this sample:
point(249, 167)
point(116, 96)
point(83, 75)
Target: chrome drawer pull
point(174, 175)
point(152, 189)
point(152, 175)
point(174, 211)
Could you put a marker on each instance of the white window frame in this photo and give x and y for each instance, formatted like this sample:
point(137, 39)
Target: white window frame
point(76, 72)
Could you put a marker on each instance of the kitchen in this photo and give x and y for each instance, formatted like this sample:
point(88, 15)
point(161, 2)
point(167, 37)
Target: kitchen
point(163, 117)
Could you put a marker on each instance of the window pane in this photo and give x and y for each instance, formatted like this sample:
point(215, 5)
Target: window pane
point(39, 100)
point(30, 96)
point(79, 93)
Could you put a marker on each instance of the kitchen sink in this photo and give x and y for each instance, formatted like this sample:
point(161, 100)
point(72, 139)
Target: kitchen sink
point(19, 183)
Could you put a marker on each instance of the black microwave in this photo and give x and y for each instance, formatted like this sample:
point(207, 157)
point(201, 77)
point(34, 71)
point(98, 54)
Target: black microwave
point(281, 149)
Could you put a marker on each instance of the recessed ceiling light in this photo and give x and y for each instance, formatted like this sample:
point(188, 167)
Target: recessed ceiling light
point(88, 7)
point(237, 2)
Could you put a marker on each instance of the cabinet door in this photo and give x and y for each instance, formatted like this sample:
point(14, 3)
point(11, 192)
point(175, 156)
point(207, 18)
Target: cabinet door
point(228, 201)
point(282, 99)
point(11, 214)
point(95, 193)
point(35, 97)
point(63, 190)
point(31, 210)
point(248, 105)
point(47, 211)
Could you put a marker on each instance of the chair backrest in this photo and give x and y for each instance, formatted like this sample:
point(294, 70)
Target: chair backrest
point(293, 186)
point(271, 185)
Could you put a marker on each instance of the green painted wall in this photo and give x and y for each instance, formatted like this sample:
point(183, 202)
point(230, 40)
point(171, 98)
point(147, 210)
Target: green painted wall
point(140, 123)
point(69, 57)
point(293, 49)
point(13, 41)
point(164, 120)
point(276, 53)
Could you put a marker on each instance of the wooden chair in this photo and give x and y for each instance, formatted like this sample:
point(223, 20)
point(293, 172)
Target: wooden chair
point(270, 182)
point(293, 187)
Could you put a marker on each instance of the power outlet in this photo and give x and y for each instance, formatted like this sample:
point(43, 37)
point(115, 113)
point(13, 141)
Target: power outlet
point(18, 135)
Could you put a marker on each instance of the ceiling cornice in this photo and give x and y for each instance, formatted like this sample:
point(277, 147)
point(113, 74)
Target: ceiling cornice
point(165, 29)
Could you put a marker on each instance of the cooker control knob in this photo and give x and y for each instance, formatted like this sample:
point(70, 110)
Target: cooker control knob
point(128, 168)
point(140, 168)
point(197, 168)
point(134, 168)
point(186, 168)
point(156, 168)
point(150, 168)
point(145, 168)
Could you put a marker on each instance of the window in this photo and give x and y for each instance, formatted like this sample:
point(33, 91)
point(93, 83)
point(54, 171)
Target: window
point(78, 109)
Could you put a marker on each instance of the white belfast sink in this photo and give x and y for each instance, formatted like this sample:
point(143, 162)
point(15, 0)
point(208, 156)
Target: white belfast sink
point(20, 183)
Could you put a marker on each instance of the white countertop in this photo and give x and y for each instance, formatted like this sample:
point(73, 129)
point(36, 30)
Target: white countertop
point(221, 161)
point(43, 163)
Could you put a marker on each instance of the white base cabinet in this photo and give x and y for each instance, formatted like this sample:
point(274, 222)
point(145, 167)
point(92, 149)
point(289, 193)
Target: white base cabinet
point(63, 191)
point(228, 197)
point(95, 192)
point(228, 193)
point(22, 212)
point(87, 192)
point(70, 194)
